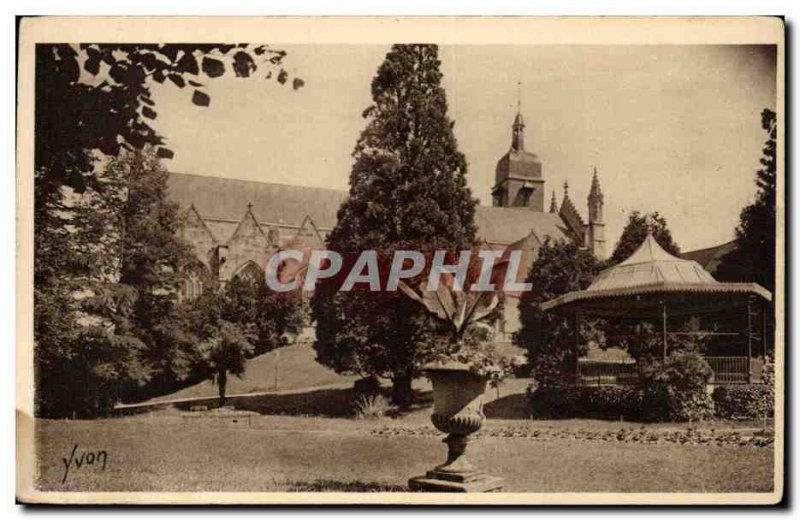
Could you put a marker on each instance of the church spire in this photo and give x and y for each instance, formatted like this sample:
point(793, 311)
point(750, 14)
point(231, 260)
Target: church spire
point(595, 200)
point(595, 193)
point(595, 233)
point(518, 134)
point(553, 203)
point(518, 128)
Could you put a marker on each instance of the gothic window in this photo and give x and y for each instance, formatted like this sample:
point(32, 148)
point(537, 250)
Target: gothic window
point(193, 283)
point(250, 273)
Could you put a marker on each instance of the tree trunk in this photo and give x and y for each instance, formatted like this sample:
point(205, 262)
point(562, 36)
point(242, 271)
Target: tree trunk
point(222, 382)
point(402, 393)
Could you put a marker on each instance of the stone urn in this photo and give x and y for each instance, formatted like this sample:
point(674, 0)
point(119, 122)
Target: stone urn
point(458, 412)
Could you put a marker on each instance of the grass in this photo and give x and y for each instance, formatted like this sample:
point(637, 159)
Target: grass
point(268, 443)
point(169, 452)
point(296, 368)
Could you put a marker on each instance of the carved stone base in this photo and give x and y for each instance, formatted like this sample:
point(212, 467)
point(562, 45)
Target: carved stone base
point(457, 411)
point(438, 482)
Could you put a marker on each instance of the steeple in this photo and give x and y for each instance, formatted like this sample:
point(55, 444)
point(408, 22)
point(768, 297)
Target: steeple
point(518, 128)
point(595, 200)
point(595, 232)
point(553, 203)
point(518, 134)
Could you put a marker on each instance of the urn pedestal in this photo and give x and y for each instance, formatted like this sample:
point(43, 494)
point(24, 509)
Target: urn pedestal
point(458, 412)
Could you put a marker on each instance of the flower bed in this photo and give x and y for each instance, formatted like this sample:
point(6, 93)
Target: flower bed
point(641, 435)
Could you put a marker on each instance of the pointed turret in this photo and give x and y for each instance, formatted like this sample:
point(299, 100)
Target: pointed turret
point(566, 201)
point(595, 200)
point(553, 203)
point(596, 230)
point(571, 217)
point(518, 134)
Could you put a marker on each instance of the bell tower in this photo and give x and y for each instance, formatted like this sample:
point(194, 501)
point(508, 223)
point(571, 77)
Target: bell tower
point(518, 175)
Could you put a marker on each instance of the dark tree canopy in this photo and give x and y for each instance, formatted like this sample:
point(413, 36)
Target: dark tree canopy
point(548, 338)
point(96, 97)
point(124, 230)
point(635, 232)
point(267, 315)
point(753, 259)
point(408, 190)
point(93, 102)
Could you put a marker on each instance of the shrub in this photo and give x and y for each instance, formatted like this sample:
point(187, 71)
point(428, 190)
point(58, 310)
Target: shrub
point(551, 402)
point(371, 407)
point(367, 386)
point(768, 374)
point(612, 402)
point(602, 402)
point(743, 401)
point(672, 390)
point(675, 389)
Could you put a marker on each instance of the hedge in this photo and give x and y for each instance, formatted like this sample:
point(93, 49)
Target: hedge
point(600, 402)
point(752, 401)
point(652, 404)
point(673, 389)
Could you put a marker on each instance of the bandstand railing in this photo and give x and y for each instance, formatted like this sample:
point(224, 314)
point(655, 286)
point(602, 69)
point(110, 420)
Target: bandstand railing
point(727, 370)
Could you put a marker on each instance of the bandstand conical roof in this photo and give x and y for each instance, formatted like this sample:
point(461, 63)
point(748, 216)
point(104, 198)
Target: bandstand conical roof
point(651, 265)
point(650, 276)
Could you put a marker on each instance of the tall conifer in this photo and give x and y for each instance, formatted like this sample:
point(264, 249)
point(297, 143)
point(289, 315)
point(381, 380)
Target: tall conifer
point(408, 190)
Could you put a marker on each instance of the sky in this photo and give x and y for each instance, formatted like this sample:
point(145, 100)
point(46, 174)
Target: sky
point(669, 128)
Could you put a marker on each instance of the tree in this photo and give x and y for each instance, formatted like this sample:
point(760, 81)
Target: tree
point(753, 258)
point(268, 314)
point(223, 346)
point(549, 338)
point(408, 190)
point(226, 352)
point(131, 226)
point(635, 232)
point(97, 97)
point(93, 100)
point(125, 230)
point(99, 362)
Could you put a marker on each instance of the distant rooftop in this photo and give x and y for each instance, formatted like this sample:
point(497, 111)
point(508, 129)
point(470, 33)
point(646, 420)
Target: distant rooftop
point(217, 198)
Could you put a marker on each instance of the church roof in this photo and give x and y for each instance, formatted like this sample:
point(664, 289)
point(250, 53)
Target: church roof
point(226, 199)
point(570, 215)
point(508, 225)
point(518, 156)
point(710, 257)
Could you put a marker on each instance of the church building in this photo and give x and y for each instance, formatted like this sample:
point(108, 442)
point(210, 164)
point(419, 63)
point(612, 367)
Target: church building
point(235, 226)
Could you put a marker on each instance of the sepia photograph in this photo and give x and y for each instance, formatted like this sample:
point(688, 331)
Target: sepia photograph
point(400, 261)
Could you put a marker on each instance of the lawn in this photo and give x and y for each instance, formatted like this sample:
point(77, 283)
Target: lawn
point(302, 437)
point(295, 367)
point(174, 451)
point(289, 380)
